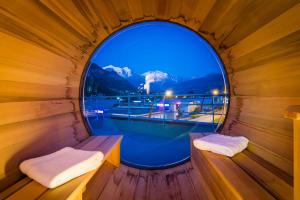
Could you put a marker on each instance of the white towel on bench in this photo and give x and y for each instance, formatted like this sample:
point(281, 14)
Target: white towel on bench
point(222, 144)
point(61, 166)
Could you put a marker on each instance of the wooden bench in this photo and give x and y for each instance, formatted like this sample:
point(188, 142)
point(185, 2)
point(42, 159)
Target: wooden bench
point(74, 189)
point(244, 176)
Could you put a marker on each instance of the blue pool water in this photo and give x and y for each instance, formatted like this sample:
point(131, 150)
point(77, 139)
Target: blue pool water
point(148, 144)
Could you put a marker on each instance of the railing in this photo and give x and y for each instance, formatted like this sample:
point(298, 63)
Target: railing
point(181, 108)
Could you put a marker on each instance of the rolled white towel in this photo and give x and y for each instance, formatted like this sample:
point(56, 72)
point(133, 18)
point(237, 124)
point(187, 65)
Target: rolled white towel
point(61, 166)
point(222, 144)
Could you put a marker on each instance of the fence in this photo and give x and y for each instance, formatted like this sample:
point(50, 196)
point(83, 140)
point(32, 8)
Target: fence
point(181, 108)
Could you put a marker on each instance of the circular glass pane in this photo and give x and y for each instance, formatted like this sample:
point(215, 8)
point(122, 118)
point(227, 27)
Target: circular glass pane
point(154, 82)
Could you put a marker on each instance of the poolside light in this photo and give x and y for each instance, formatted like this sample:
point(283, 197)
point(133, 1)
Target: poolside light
point(215, 92)
point(168, 93)
point(99, 111)
point(163, 105)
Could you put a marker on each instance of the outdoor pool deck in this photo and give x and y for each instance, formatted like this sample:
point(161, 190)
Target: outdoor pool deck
point(159, 145)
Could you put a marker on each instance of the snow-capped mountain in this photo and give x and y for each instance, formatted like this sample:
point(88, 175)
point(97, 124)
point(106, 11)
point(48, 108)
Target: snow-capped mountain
point(124, 72)
point(106, 82)
point(156, 81)
point(111, 80)
point(155, 76)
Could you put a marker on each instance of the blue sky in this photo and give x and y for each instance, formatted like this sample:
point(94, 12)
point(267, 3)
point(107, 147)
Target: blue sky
point(163, 46)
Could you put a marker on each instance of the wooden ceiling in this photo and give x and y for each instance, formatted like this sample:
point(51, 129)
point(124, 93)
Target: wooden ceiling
point(45, 45)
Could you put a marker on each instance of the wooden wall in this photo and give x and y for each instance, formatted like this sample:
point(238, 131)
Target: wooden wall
point(45, 44)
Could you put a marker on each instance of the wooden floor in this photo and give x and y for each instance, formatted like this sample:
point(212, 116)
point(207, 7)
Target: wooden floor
point(181, 182)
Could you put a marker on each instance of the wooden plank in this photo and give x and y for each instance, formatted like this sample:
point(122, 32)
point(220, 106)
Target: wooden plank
point(141, 186)
point(70, 190)
point(161, 9)
point(199, 163)
point(115, 155)
point(274, 184)
point(149, 8)
point(49, 33)
point(275, 181)
point(107, 13)
point(73, 189)
point(296, 159)
point(238, 11)
point(173, 8)
point(20, 53)
point(278, 146)
point(45, 137)
point(112, 155)
point(216, 15)
point(293, 112)
point(108, 145)
point(277, 53)
point(48, 144)
point(33, 190)
point(197, 10)
point(184, 180)
point(21, 111)
point(273, 158)
point(233, 182)
point(201, 188)
point(14, 188)
point(122, 9)
point(170, 183)
point(112, 140)
point(265, 11)
point(10, 178)
point(96, 144)
point(96, 185)
point(70, 12)
point(271, 168)
point(85, 142)
point(18, 132)
point(111, 187)
point(272, 70)
point(270, 88)
point(25, 73)
point(127, 185)
point(82, 133)
point(281, 26)
point(272, 108)
point(23, 90)
point(136, 9)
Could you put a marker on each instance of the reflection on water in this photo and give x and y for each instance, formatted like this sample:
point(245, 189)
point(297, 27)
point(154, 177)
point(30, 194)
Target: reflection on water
point(148, 143)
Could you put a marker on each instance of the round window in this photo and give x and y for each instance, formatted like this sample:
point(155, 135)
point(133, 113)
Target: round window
point(154, 82)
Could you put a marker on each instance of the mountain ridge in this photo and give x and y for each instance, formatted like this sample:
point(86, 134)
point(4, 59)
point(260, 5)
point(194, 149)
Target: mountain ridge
point(112, 80)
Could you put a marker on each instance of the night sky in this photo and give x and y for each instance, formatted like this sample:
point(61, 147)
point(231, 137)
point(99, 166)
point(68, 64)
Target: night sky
point(163, 46)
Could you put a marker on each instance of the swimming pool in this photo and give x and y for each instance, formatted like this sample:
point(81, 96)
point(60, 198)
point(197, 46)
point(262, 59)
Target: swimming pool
point(149, 144)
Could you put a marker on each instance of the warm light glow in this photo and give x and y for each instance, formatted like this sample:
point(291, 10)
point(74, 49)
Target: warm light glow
point(169, 93)
point(99, 111)
point(163, 105)
point(215, 92)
